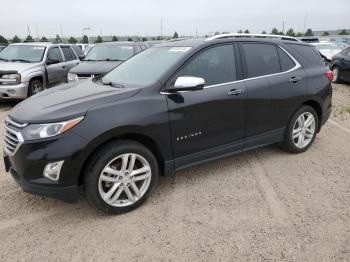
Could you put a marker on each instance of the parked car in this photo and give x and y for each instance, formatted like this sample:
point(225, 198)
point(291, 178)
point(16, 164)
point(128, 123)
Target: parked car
point(2, 47)
point(102, 58)
point(28, 68)
point(327, 50)
point(167, 108)
point(340, 65)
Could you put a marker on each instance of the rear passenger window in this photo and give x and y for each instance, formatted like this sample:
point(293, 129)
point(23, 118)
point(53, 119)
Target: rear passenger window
point(308, 56)
point(286, 62)
point(68, 53)
point(262, 59)
point(215, 65)
point(55, 55)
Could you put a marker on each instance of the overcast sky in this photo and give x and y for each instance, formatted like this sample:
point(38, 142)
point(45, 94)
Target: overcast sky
point(142, 17)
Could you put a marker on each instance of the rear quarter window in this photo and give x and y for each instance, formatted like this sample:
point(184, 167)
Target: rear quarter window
point(308, 56)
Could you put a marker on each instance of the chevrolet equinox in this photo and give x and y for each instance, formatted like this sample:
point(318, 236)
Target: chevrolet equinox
point(167, 108)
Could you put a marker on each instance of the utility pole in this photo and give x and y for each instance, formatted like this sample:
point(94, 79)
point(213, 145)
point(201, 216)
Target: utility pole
point(283, 27)
point(28, 29)
point(304, 23)
point(161, 27)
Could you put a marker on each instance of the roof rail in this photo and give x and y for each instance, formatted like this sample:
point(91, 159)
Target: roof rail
point(282, 37)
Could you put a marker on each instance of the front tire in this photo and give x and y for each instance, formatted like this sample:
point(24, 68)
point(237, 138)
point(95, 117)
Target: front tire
point(301, 131)
point(120, 176)
point(35, 86)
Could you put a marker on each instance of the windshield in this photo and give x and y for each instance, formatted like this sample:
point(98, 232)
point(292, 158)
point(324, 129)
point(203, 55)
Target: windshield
point(110, 52)
point(22, 53)
point(328, 47)
point(147, 67)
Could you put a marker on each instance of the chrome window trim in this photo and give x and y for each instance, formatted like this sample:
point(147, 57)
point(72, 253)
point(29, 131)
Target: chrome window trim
point(297, 66)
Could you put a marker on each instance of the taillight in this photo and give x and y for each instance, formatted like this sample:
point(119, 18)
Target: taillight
point(329, 75)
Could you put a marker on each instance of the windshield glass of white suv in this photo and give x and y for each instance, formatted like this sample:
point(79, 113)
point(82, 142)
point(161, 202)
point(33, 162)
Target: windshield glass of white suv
point(328, 47)
point(22, 53)
point(110, 53)
point(147, 67)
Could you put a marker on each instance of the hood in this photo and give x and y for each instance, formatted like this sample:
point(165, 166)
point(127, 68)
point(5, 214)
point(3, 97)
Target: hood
point(329, 53)
point(16, 66)
point(67, 101)
point(94, 68)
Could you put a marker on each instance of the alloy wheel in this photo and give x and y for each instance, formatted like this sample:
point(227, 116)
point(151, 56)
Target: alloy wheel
point(124, 180)
point(304, 129)
point(37, 88)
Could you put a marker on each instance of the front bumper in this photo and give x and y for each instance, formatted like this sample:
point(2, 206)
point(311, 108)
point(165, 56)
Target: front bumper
point(27, 164)
point(19, 91)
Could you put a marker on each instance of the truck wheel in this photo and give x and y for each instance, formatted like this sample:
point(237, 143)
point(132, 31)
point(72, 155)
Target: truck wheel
point(120, 176)
point(35, 86)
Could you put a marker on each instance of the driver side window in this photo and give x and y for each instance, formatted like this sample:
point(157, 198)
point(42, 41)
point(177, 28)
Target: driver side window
point(55, 55)
point(215, 65)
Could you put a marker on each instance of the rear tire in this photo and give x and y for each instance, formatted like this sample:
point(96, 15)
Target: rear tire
point(301, 130)
point(120, 176)
point(35, 86)
point(336, 75)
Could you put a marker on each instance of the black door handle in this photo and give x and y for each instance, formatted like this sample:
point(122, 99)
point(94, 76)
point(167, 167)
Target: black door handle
point(63, 67)
point(295, 79)
point(235, 92)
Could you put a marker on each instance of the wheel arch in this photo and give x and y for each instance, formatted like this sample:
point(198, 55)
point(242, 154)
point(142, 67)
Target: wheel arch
point(143, 139)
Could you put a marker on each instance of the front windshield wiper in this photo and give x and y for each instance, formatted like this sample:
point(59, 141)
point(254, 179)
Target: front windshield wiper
point(112, 60)
point(112, 84)
point(21, 60)
point(89, 60)
point(3, 59)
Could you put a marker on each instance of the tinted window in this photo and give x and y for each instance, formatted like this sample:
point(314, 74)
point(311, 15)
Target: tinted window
point(55, 54)
point(262, 59)
point(308, 56)
point(215, 65)
point(68, 53)
point(78, 51)
point(285, 61)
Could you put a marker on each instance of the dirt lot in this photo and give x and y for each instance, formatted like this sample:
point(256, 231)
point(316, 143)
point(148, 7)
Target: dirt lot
point(261, 205)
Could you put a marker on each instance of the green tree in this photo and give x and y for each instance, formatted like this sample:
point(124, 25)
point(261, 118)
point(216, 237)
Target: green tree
point(29, 39)
point(58, 39)
point(85, 39)
point(130, 39)
point(343, 32)
point(3, 40)
point(175, 35)
point(240, 31)
point(325, 33)
point(115, 39)
point(246, 31)
point(159, 38)
point(274, 31)
point(72, 40)
point(144, 39)
point(290, 32)
point(99, 39)
point(44, 39)
point(309, 32)
point(299, 34)
point(263, 32)
point(16, 39)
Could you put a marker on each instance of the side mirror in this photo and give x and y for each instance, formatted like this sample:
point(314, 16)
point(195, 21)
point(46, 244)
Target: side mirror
point(51, 61)
point(188, 83)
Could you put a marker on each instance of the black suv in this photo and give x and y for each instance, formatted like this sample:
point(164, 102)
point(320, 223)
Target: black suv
point(167, 108)
point(340, 65)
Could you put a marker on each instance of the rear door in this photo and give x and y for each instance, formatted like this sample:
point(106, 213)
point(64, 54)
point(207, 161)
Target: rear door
point(274, 85)
point(55, 66)
point(209, 118)
point(71, 60)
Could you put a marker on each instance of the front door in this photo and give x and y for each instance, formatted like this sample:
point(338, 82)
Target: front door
point(212, 118)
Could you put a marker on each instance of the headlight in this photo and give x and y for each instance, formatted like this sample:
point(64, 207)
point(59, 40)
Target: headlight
point(38, 131)
point(11, 79)
point(72, 77)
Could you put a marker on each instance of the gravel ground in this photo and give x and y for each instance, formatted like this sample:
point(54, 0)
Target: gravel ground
point(261, 205)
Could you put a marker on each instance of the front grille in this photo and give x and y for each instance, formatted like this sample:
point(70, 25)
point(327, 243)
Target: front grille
point(13, 137)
